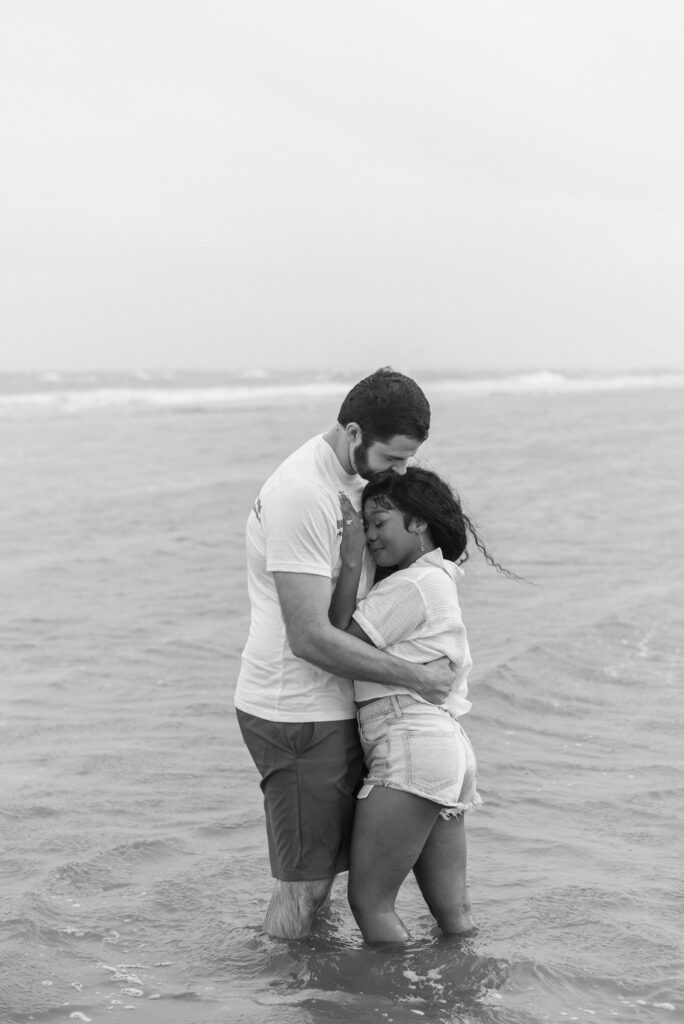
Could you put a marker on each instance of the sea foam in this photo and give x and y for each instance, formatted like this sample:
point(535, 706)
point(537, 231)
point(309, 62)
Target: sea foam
point(52, 393)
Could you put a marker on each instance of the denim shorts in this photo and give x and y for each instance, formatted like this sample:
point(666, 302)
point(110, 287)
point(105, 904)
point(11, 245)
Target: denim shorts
point(419, 748)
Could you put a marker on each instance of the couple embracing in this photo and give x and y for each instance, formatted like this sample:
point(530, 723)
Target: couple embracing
point(354, 675)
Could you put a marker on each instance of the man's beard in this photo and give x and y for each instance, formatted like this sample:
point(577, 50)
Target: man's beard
point(360, 461)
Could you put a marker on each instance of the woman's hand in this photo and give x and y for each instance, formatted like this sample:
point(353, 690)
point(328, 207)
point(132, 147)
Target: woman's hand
point(353, 534)
point(343, 600)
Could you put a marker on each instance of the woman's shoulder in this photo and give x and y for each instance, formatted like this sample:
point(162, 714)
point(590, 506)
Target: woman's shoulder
point(434, 565)
point(436, 579)
point(430, 572)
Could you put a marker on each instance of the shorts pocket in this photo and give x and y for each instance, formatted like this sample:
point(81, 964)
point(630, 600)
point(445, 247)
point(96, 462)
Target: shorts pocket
point(373, 736)
point(372, 727)
point(297, 737)
point(431, 761)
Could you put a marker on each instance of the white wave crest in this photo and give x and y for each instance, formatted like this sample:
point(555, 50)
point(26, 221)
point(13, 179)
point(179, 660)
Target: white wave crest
point(207, 396)
point(545, 381)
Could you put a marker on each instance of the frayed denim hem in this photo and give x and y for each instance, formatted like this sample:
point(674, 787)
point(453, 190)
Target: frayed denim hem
point(452, 811)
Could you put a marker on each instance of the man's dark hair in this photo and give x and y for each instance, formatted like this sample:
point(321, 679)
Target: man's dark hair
point(385, 404)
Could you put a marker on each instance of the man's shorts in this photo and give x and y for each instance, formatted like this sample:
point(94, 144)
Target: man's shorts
point(421, 749)
point(310, 773)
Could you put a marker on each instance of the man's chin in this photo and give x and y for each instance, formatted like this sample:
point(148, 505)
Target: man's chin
point(369, 474)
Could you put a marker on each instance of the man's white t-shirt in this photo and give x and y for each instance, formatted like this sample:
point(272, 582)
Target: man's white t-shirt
point(295, 526)
point(414, 614)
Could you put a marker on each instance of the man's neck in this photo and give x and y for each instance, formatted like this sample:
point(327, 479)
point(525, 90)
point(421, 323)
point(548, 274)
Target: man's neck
point(337, 439)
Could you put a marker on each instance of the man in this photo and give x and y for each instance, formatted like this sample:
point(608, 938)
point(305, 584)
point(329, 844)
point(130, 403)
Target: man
point(294, 698)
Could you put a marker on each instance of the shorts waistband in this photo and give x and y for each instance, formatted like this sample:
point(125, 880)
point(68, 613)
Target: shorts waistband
point(392, 700)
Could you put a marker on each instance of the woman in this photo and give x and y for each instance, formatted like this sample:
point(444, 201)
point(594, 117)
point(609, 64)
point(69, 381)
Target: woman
point(421, 768)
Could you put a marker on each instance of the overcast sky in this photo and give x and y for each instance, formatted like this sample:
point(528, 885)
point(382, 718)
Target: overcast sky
point(219, 184)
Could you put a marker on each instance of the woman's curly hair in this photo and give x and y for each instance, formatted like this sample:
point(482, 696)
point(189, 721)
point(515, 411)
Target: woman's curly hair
point(421, 494)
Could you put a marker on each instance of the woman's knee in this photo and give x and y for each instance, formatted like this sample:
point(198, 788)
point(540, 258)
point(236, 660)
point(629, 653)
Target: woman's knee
point(365, 894)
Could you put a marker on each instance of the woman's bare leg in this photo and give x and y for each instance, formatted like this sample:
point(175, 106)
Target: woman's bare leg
point(441, 875)
point(390, 830)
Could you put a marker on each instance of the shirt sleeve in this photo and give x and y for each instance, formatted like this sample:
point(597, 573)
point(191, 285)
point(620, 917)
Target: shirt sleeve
point(300, 528)
point(393, 610)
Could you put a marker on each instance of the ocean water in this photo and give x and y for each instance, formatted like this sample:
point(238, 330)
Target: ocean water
point(133, 854)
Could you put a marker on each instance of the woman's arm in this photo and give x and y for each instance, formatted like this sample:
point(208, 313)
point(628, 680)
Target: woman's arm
point(343, 601)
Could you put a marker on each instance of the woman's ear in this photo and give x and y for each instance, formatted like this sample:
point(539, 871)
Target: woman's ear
point(417, 525)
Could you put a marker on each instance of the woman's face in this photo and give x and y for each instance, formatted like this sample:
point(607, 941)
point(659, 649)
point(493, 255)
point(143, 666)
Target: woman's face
point(388, 540)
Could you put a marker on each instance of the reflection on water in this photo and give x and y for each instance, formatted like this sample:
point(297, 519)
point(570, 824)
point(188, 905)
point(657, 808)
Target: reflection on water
point(444, 979)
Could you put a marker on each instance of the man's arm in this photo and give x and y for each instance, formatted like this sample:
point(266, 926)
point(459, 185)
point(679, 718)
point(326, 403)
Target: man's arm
point(305, 599)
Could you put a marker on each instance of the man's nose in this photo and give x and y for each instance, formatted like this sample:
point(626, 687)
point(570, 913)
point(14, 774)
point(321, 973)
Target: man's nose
point(399, 468)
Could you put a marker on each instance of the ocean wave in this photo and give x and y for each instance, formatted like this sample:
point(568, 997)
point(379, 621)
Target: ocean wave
point(544, 381)
point(54, 392)
point(84, 400)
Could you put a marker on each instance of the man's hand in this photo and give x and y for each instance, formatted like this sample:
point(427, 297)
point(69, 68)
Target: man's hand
point(438, 681)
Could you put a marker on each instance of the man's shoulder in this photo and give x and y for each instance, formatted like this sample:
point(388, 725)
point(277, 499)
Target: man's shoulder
point(305, 476)
point(301, 464)
point(303, 491)
point(307, 452)
point(298, 499)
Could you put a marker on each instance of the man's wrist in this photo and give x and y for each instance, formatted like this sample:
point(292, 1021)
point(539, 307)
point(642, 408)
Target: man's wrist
point(413, 676)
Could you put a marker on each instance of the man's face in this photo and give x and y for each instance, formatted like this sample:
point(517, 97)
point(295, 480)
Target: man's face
point(369, 459)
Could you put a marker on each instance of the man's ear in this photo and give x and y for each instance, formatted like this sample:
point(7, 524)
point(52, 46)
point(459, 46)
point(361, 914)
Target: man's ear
point(353, 432)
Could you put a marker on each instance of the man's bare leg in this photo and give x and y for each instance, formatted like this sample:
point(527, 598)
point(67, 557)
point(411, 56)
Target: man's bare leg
point(294, 906)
